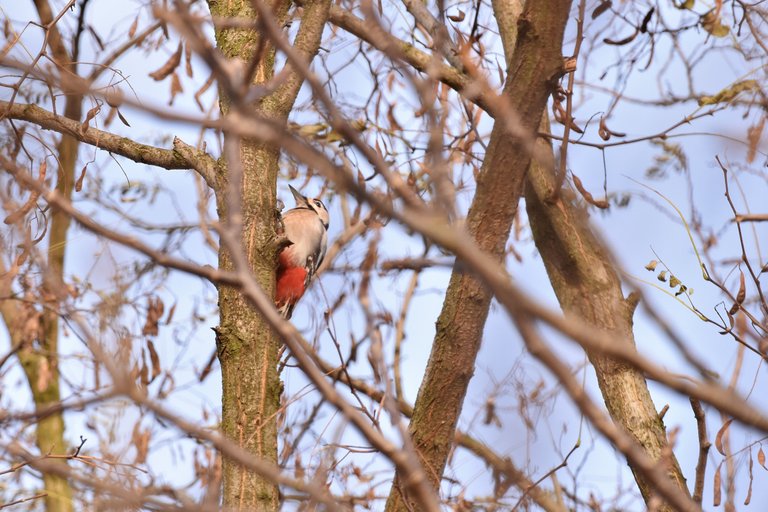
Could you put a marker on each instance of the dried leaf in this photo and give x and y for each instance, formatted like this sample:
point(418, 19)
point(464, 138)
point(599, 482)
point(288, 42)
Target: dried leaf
point(20, 260)
point(651, 266)
point(558, 112)
point(761, 458)
point(176, 87)
point(207, 368)
point(754, 133)
point(621, 42)
point(132, 29)
point(490, 413)
point(603, 130)
point(79, 182)
point(361, 475)
point(167, 386)
point(574, 126)
point(144, 371)
point(188, 60)
point(646, 20)
point(393, 124)
point(673, 282)
point(170, 314)
point(730, 92)
point(600, 9)
point(599, 203)
point(740, 296)
point(169, 67)
point(606, 133)
point(662, 276)
point(390, 81)
point(730, 322)
point(155, 359)
point(457, 17)
point(88, 117)
point(361, 180)
point(742, 290)
point(298, 471)
point(716, 487)
point(114, 98)
point(140, 439)
point(719, 438)
point(748, 499)
point(122, 119)
point(155, 311)
point(202, 90)
point(712, 24)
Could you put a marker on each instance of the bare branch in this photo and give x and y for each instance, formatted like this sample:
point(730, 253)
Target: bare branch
point(182, 157)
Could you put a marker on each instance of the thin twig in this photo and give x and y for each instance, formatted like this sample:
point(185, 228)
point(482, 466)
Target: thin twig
point(704, 446)
point(24, 500)
point(560, 178)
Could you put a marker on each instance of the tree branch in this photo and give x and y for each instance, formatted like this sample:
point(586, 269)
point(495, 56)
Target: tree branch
point(421, 61)
point(534, 66)
point(305, 46)
point(501, 465)
point(182, 156)
point(579, 266)
point(704, 446)
point(436, 30)
point(751, 217)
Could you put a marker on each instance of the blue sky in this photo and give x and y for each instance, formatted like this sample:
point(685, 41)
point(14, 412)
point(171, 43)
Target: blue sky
point(503, 368)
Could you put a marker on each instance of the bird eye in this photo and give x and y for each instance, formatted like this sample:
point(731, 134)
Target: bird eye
point(318, 203)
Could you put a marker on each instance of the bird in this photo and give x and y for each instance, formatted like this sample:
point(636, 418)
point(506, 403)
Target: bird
point(306, 228)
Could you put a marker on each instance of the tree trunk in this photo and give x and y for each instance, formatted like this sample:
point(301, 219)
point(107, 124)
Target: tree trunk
point(247, 346)
point(586, 284)
point(534, 69)
point(41, 366)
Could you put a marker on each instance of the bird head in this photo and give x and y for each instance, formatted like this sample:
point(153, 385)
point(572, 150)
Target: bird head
point(314, 204)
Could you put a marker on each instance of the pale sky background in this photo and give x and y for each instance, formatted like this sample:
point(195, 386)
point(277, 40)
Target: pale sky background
point(633, 232)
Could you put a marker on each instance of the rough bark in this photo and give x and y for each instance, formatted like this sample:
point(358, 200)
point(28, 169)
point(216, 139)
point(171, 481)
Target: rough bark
point(586, 283)
point(534, 68)
point(247, 346)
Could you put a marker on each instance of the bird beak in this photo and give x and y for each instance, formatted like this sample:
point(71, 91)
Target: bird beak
point(300, 199)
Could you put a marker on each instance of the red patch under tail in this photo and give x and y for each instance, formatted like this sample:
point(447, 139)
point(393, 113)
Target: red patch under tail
point(291, 283)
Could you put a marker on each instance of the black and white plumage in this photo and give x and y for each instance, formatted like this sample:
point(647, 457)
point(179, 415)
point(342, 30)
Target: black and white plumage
point(306, 227)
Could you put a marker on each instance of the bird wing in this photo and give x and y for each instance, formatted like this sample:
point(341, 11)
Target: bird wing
point(304, 228)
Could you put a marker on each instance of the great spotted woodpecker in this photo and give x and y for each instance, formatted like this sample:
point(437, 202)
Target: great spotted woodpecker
point(306, 227)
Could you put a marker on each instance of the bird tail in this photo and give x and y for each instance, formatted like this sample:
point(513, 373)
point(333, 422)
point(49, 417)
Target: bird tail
point(286, 309)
